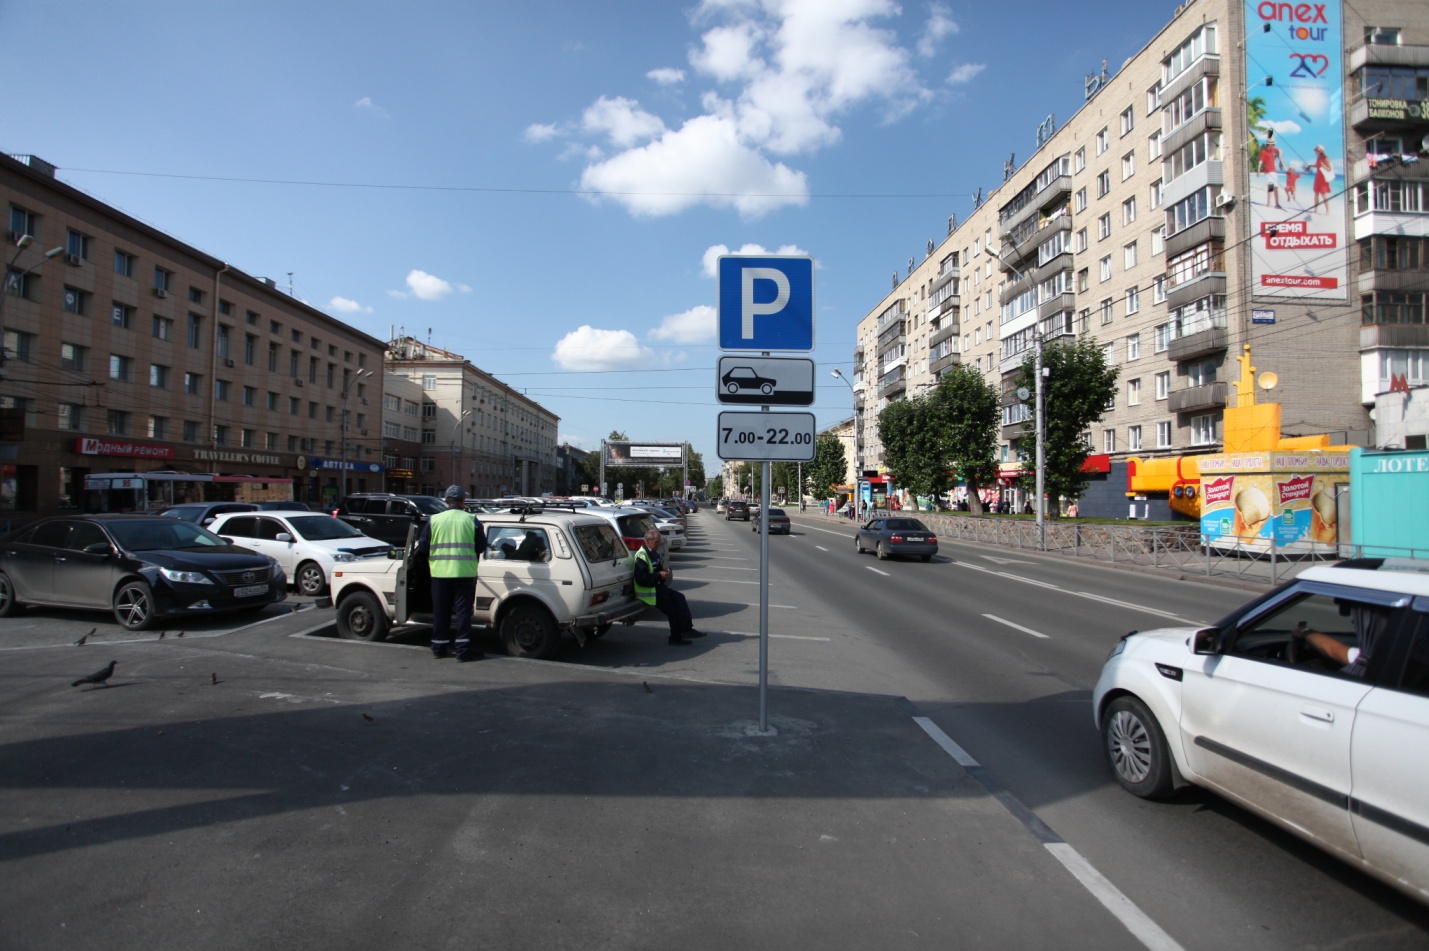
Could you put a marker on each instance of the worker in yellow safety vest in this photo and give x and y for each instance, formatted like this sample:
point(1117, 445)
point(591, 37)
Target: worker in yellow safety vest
point(452, 541)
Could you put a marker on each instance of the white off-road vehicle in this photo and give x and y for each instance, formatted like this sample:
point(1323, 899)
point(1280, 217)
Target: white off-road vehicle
point(544, 573)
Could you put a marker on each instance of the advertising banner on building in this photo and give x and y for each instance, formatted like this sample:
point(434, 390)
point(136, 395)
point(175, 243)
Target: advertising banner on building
point(644, 454)
point(1295, 109)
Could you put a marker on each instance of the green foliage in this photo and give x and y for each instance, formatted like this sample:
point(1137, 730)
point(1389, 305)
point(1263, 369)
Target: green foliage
point(913, 447)
point(969, 415)
point(1077, 389)
point(829, 468)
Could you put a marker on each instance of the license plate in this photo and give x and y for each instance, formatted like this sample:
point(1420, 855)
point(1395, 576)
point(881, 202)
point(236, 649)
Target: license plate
point(914, 538)
point(250, 591)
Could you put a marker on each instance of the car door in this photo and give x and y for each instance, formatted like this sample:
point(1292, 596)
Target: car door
point(84, 571)
point(518, 557)
point(30, 560)
point(362, 515)
point(242, 529)
point(265, 541)
point(1272, 730)
point(1388, 807)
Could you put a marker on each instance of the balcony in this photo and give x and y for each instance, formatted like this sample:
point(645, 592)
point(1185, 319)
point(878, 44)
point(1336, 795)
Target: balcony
point(948, 329)
point(946, 362)
point(891, 334)
point(1056, 190)
point(947, 305)
point(1390, 169)
point(1389, 280)
point(1054, 305)
point(1206, 396)
point(892, 384)
point(944, 276)
point(1210, 173)
point(1207, 229)
point(1373, 336)
point(1382, 54)
point(1199, 344)
point(1017, 288)
point(1204, 276)
point(1016, 431)
point(1208, 65)
point(1207, 120)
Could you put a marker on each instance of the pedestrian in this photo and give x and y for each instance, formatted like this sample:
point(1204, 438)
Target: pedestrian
point(1324, 171)
point(652, 585)
point(452, 542)
point(1073, 511)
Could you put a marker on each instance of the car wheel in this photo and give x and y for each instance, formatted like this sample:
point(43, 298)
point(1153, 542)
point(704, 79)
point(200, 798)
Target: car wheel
point(310, 579)
point(9, 604)
point(134, 607)
point(858, 543)
point(360, 617)
point(528, 630)
point(731, 388)
point(1136, 749)
point(767, 389)
point(882, 552)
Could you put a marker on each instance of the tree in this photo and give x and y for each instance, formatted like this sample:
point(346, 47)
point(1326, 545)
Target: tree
point(829, 468)
point(969, 415)
point(1077, 388)
point(913, 446)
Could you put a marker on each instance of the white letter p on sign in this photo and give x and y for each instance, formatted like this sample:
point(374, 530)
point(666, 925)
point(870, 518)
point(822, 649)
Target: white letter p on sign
point(748, 309)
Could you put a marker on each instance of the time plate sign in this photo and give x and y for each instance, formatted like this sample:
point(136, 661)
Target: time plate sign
point(766, 437)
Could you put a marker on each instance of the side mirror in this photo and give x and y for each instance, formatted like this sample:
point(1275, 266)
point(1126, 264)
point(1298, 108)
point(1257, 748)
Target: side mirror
point(98, 548)
point(1204, 641)
point(284, 537)
point(226, 538)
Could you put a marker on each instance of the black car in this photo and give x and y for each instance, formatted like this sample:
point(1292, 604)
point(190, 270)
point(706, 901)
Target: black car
point(201, 513)
point(388, 517)
point(736, 508)
point(744, 378)
point(141, 567)
point(779, 523)
point(896, 536)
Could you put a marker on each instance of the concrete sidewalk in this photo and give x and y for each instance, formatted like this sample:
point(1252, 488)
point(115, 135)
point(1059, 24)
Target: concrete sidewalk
point(274, 789)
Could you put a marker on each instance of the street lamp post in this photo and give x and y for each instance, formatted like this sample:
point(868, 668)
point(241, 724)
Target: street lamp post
point(346, 392)
point(21, 244)
point(857, 460)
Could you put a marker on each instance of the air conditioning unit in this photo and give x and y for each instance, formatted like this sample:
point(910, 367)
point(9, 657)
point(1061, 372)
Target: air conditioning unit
point(160, 293)
point(1225, 200)
point(364, 401)
point(230, 362)
point(72, 260)
point(363, 431)
point(298, 380)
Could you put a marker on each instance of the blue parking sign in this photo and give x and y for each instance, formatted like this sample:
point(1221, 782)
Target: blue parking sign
point(766, 302)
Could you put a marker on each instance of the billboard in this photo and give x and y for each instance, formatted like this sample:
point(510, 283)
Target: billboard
point(1295, 110)
point(644, 453)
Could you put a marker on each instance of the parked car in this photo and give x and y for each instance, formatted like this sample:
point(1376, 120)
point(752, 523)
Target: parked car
point(544, 574)
point(736, 508)
point(202, 513)
point(385, 516)
point(284, 505)
point(140, 567)
point(896, 536)
point(1305, 706)
point(307, 545)
point(779, 523)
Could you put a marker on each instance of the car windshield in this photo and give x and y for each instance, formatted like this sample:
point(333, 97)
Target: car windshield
point(160, 533)
point(429, 506)
point(774, 511)
point(189, 513)
point(317, 528)
point(905, 525)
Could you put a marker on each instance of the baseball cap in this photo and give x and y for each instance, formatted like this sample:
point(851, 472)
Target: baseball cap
point(454, 492)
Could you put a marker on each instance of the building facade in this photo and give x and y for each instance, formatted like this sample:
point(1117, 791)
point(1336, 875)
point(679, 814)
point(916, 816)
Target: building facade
point(127, 350)
point(476, 431)
point(1148, 223)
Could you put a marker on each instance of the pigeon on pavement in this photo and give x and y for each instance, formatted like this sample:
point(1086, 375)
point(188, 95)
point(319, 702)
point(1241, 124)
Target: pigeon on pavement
point(80, 642)
point(98, 677)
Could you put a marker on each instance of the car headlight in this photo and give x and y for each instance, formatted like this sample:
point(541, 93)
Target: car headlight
point(1117, 648)
point(344, 556)
point(185, 577)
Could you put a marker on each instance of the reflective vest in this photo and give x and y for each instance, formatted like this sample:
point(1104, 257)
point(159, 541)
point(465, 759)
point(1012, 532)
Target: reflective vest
point(452, 553)
point(643, 592)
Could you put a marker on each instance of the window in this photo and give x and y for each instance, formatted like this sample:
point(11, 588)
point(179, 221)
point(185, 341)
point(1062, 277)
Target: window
point(123, 263)
point(246, 439)
point(76, 301)
point(120, 367)
point(163, 279)
point(1163, 384)
point(223, 338)
point(1153, 147)
point(1158, 240)
point(429, 381)
point(1128, 256)
point(1128, 120)
point(272, 403)
point(250, 318)
point(73, 356)
point(20, 284)
point(273, 352)
point(220, 390)
point(1203, 430)
point(293, 357)
point(1128, 165)
point(1158, 289)
point(1108, 440)
point(1189, 210)
point(1133, 392)
point(270, 441)
point(191, 430)
point(158, 427)
point(1201, 374)
point(295, 406)
point(163, 328)
point(1381, 35)
point(1103, 141)
point(1106, 268)
point(1133, 348)
point(296, 336)
point(1133, 300)
point(192, 383)
point(1153, 98)
point(121, 316)
point(23, 222)
point(19, 346)
point(1163, 435)
point(116, 422)
point(1081, 240)
point(1133, 438)
point(250, 395)
point(1202, 42)
point(1162, 334)
point(195, 331)
point(250, 349)
point(1079, 201)
point(195, 295)
point(1080, 159)
point(1106, 309)
point(1104, 227)
point(1083, 281)
point(1128, 211)
point(159, 376)
point(77, 244)
point(220, 434)
point(71, 417)
point(1156, 194)
point(429, 437)
point(1103, 184)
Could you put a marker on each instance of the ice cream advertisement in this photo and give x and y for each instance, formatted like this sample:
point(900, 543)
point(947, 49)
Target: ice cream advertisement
point(1280, 498)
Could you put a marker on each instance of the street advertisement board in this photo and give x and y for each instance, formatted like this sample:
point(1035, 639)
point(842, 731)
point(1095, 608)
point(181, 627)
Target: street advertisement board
point(1294, 108)
point(644, 454)
point(1251, 500)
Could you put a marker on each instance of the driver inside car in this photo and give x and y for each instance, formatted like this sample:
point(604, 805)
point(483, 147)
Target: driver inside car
point(1369, 623)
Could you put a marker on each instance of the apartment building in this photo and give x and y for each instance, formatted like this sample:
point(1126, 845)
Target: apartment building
point(126, 350)
point(1148, 223)
point(476, 431)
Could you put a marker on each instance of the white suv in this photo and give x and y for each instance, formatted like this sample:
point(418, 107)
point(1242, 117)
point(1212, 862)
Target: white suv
point(543, 574)
point(1308, 706)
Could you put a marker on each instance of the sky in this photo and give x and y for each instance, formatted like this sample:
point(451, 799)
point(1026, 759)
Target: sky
point(544, 186)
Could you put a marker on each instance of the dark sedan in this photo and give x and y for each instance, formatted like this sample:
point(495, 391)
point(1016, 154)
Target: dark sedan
point(779, 523)
point(736, 509)
point(141, 567)
point(896, 536)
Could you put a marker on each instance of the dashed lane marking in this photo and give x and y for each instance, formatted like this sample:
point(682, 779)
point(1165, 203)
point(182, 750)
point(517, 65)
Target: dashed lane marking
point(877, 572)
point(1024, 630)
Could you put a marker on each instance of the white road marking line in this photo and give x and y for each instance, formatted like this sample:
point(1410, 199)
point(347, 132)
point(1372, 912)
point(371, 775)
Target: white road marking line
point(827, 531)
point(959, 755)
point(1024, 630)
point(876, 571)
point(1005, 561)
point(787, 637)
point(821, 548)
point(1134, 919)
point(1134, 607)
point(731, 568)
point(1080, 594)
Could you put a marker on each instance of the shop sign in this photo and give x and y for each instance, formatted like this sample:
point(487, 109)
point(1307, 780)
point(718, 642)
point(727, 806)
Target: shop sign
point(244, 458)
point(89, 446)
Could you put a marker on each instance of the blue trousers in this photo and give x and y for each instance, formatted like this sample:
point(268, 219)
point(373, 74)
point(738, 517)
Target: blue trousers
point(673, 605)
point(452, 596)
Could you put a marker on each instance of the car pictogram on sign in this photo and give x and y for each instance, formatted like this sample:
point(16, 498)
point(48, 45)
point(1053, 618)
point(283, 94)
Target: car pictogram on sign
point(744, 378)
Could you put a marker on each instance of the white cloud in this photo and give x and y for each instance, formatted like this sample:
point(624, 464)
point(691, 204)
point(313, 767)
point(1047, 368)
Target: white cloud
point(710, 260)
point(345, 305)
point(541, 132)
point(940, 24)
point(1282, 127)
point(666, 76)
point(424, 286)
point(622, 121)
point(695, 326)
point(729, 52)
point(703, 162)
point(365, 104)
point(965, 72)
point(588, 348)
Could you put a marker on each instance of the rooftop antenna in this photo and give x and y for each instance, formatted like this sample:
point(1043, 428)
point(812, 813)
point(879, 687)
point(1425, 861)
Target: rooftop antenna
point(290, 283)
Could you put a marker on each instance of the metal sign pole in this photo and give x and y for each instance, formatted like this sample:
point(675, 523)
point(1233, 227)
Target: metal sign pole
point(764, 469)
